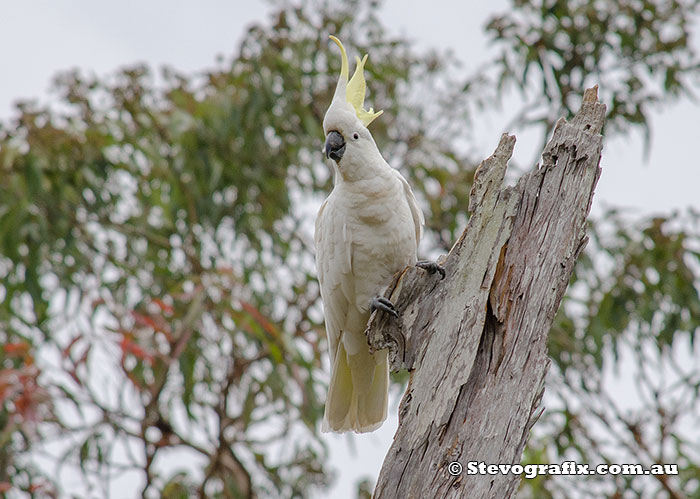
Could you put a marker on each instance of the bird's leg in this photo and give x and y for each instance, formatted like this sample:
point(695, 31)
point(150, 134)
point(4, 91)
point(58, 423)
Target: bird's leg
point(381, 303)
point(431, 267)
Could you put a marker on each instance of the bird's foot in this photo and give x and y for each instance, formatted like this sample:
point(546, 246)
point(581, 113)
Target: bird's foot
point(381, 303)
point(431, 267)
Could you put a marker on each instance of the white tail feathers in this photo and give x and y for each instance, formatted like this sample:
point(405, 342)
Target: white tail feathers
point(358, 393)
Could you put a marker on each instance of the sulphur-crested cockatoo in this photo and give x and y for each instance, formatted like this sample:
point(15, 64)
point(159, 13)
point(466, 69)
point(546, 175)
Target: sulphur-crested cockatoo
point(366, 230)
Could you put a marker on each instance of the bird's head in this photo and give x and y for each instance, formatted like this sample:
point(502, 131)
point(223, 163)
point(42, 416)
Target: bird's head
point(346, 120)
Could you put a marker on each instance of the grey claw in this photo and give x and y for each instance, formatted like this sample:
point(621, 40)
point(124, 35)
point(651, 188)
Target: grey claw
point(381, 303)
point(431, 267)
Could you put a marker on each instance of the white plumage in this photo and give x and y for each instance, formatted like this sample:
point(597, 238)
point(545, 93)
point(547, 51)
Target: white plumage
point(366, 230)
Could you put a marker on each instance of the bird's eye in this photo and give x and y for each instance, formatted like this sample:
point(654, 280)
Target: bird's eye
point(355, 135)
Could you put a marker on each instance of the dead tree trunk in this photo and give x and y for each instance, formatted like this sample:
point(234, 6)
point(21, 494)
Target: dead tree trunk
point(475, 343)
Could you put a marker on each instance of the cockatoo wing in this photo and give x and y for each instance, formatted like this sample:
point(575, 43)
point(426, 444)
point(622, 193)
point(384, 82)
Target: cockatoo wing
point(333, 241)
point(416, 213)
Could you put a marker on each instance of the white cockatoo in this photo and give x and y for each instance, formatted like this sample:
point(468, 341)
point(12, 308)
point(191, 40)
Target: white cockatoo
point(366, 230)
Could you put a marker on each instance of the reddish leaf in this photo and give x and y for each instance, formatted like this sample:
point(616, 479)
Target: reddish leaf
point(163, 306)
point(129, 346)
point(31, 396)
point(16, 349)
point(157, 323)
point(6, 390)
point(144, 320)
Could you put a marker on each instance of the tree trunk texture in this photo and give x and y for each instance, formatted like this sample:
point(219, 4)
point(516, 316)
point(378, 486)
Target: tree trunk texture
point(475, 342)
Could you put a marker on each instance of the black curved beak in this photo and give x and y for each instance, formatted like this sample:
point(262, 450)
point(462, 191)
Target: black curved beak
point(335, 146)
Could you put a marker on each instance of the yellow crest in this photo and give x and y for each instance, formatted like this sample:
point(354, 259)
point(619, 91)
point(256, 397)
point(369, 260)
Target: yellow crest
point(356, 88)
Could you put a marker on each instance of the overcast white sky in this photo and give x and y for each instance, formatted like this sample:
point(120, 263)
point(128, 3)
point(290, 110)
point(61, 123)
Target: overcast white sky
point(41, 37)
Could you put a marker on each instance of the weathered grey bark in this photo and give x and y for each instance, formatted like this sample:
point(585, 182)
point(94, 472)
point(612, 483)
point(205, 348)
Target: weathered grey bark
point(475, 342)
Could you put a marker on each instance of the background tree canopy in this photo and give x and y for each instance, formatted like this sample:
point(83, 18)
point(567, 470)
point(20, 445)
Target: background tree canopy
point(158, 290)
